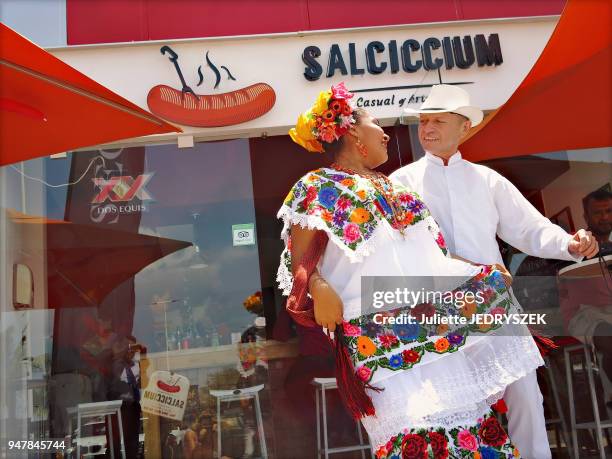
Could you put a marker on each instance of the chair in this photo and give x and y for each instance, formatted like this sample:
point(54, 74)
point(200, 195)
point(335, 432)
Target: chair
point(560, 419)
point(241, 394)
point(597, 425)
point(103, 410)
point(322, 385)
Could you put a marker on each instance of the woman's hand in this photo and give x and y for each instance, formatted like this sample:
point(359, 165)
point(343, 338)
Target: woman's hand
point(505, 273)
point(327, 304)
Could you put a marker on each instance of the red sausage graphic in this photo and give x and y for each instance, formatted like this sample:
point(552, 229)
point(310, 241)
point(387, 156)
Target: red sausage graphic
point(212, 110)
point(167, 387)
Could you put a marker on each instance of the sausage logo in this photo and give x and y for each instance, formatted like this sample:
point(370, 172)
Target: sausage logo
point(166, 395)
point(186, 107)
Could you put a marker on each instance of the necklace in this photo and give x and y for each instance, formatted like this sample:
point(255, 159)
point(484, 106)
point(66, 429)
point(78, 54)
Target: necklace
point(383, 185)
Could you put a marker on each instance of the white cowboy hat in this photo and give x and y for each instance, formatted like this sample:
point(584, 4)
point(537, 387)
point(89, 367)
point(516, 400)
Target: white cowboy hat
point(448, 98)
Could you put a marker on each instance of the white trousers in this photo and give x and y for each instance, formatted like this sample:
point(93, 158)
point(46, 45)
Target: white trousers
point(526, 423)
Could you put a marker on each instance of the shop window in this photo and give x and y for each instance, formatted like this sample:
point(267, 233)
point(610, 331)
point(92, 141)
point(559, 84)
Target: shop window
point(156, 252)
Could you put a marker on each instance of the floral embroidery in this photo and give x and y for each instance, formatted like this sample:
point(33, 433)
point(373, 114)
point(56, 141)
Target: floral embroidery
point(484, 440)
point(349, 209)
point(492, 433)
point(467, 440)
point(365, 346)
point(400, 346)
point(355, 205)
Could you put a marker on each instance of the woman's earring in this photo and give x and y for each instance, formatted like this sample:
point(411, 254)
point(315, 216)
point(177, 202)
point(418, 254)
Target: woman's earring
point(363, 150)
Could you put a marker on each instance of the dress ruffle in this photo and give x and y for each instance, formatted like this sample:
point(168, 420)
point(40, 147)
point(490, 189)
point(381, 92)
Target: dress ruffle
point(455, 389)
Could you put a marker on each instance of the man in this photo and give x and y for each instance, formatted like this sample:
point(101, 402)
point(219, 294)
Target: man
point(472, 204)
point(126, 387)
point(587, 302)
point(598, 215)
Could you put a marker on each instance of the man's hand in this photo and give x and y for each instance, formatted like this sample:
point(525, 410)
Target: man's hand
point(327, 304)
point(583, 244)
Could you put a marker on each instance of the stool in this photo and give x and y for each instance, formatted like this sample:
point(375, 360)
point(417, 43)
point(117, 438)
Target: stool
point(557, 401)
point(100, 410)
point(241, 394)
point(322, 385)
point(597, 425)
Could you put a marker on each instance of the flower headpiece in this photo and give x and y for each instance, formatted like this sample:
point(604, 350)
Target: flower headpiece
point(327, 120)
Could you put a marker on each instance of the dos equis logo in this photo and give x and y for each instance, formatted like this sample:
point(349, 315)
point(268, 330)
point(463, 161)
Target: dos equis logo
point(117, 185)
point(119, 195)
point(122, 189)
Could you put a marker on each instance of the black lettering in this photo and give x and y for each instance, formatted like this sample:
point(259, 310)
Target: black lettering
point(428, 63)
point(336, 61)
point(393, 58)
point(488, 53)
point(359, 102)
point(407, 47)
point(353, 61)
point(373, 67)
point(464, 57)
point(313, 69)
point(447, 47)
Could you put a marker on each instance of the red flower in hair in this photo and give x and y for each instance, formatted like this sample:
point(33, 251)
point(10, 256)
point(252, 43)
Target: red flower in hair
point(342, 130)
point(339, 91)
point(347, 110)
point(336, 106)
point(328, 115)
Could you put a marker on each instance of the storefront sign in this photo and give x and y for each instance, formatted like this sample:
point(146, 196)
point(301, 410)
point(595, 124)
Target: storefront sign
point(388, 69)
point(243, 234)
point(410, 56)
point(166, 395)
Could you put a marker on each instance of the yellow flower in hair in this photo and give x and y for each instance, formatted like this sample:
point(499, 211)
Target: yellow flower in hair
point(320, 124)
point(310, 145)
point(304, 126)
point(315, 146)
point(322, 101)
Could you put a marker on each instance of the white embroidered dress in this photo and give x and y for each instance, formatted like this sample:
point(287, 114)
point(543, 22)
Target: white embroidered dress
point(443, 387)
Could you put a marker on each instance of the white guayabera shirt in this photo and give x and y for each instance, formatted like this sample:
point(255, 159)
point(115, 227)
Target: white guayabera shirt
point(472, 203)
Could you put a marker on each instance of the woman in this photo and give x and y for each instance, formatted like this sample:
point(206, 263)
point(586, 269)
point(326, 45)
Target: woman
point(423, 390)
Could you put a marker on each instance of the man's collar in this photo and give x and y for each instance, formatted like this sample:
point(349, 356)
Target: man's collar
point(456, 158)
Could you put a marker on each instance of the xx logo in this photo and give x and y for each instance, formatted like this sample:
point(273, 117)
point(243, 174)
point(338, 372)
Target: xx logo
point(122, 188)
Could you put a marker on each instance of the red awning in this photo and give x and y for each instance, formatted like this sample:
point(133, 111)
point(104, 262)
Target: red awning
point(565, 102)
point(47, 107)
